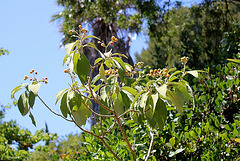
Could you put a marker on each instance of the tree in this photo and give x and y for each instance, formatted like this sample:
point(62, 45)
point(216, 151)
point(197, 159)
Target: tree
point(195, 32)
point(106, 19)
point(139, 95)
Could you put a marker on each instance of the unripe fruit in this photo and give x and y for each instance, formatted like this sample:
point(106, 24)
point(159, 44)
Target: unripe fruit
point(103, 45)
point(151, 71)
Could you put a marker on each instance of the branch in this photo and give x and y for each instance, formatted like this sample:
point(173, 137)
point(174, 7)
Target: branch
point(96, 112)
point(127, 112)
point(150, 146)
point(102, 139)
point(52, 110)
point(90, 89)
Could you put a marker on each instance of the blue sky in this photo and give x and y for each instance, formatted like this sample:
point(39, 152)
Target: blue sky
point(33, 43)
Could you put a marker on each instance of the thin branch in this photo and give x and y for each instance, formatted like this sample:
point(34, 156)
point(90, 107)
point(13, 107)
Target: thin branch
point(121, 128)
point(90, 89)
point(52, 110)
point(127, 112)
point(96, 112)
point(150, 146)
point(102, 139)
point(109, 148)
point(111, 127)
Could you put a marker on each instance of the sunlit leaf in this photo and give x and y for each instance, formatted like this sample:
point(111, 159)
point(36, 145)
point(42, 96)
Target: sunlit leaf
point(15, 90)
point(34, 88)
point(193, 73)
point(130, 90)
point(118, 54)
point(234, 60)
point(102, 73)
point(162, 90)
point(59, 95)
point(97, 60)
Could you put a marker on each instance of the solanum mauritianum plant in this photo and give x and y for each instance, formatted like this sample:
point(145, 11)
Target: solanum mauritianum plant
point(124, 92)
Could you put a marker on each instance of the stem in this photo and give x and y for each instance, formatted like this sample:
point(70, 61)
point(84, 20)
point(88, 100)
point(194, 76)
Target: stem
point(121, 128)
point(96, 112)
point(52, 110)
point(102, 139)
point(109, 148)
point(90, 89)
point(150, 146)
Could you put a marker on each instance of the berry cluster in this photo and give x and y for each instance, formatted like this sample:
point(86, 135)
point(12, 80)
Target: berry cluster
point(111, 71)
point(131, 73)
point(113, 39)
point(184, 60)
point(34, 79)
point(158, 73)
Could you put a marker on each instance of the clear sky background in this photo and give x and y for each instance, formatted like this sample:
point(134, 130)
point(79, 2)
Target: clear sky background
point(34, 43)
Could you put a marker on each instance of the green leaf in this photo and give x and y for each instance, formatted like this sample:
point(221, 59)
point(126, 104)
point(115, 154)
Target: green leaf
point(143, 100)
point(15, 90)
point(118, 104)
point(125, 99)
point(172, 141)
point(65, 59)
point(70, 46)
point(160, 113)
point(81, 115)
point(94, 46)
point(130, 90)
point(59, 95)
point(237, 140)
point(118, 54)
point(162, 90)
point(75, 102)
point(91, 36)
point(136, 98)
point(193, 73)
point(175, 73)
point(95, 79)
point(31, 99)
point(63, 105)
point(82, 68)
point(97, 60)
point(121, 67)
point(23, 103)
point(176, 101)
point(234, 60)
point(34, 88)
point(102, 73)
point(119, 60)
point(32, 118)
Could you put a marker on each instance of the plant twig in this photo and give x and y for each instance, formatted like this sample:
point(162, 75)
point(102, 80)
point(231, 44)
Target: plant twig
point(121, 128)
point(150, 146)
point(127, 112)
point(96, 112)
point(90, 89)
point(52, 110)
point(102, 139)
